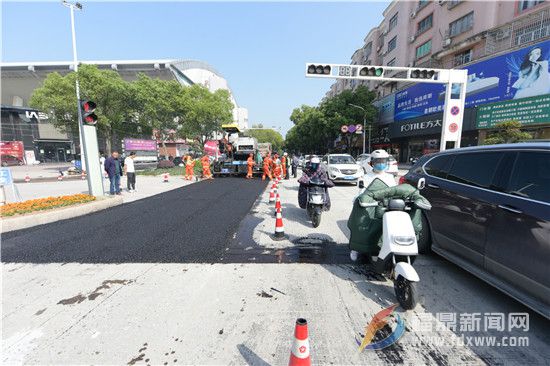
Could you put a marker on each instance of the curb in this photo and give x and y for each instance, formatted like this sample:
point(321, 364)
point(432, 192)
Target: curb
point(46, 217)
point(47, 179)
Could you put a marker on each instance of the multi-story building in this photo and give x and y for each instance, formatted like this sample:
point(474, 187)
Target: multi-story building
point(20, 79)
point(492, 39)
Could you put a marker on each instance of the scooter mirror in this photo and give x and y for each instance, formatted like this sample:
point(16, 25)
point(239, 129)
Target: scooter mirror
point(361, 184)
point(421, 183)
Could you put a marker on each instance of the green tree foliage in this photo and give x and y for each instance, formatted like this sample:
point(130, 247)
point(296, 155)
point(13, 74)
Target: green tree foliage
point(316, 128)
point(508, 132)
point(268, 135)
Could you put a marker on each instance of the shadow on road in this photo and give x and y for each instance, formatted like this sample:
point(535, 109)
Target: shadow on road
point(250, 357)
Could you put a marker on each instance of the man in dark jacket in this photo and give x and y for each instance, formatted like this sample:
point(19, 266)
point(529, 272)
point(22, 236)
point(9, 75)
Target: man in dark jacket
point(113, 169)
point(314, 170)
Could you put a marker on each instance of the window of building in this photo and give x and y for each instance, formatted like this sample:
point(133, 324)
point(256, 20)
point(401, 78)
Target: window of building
point(421, 4)
point(463, 58)
point(393, 22)
point(462, 24)
point(528, 4)
point(475, 169)
point(423, 49)
point(391, 62)
point(452, 3)
point(392, 44)
point(425, 24)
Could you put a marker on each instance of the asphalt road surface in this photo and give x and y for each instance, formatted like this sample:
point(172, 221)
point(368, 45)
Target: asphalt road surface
point(193, 224)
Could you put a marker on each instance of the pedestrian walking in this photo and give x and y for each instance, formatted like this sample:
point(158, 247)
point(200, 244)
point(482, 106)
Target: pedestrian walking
point(130, 172)
point(114, 171)
point(295, 162)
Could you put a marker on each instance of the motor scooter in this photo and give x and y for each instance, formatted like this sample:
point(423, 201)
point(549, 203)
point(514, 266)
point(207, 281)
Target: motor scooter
point(399, 244)
point(316, 198)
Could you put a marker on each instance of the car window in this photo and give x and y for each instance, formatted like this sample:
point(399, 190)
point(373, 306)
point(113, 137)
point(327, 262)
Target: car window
point(531, 176)
point(439, 166)
point(476, 169)
point(341, 160)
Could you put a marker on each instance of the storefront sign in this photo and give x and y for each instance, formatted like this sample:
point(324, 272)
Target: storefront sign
point(430, 125)
point(515, 75)
point(140, 145)
point(5, 177)
point(528, 111)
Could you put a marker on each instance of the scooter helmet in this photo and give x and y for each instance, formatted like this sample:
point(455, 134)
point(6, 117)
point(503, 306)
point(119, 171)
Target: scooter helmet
point(314, 163)
point(380, 160)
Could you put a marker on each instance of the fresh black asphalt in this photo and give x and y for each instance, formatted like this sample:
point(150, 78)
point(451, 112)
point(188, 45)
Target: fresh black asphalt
point(190, 224)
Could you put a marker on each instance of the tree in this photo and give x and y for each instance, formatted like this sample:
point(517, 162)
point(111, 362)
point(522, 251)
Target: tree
point(205, 112)
point(508, 132)
point(57, 98)
point(268, 135)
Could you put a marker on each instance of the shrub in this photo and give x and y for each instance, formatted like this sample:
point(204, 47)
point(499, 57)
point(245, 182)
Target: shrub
point(165, 164)
point(40, 204)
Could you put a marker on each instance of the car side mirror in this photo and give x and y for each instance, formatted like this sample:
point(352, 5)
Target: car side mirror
point(421, 183)
point(361, 184)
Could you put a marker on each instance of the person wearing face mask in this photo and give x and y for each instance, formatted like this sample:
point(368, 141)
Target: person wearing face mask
point(380, 162)
point(313, 170)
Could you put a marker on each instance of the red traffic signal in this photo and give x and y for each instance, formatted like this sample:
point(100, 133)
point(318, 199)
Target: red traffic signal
point(88, 116)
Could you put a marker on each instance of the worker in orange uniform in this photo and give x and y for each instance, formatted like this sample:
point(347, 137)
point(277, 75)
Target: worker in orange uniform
point(276, 166)
point(205, 161)
point(283, 164)
point(267, 166)
point(250, 164)
point(189, 167)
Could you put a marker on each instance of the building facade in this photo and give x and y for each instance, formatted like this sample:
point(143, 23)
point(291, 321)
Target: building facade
point(493, 40)
point(20, 79)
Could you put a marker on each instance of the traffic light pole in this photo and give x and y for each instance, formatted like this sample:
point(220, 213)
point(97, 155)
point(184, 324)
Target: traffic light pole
point(455, 93)
point(87, 133)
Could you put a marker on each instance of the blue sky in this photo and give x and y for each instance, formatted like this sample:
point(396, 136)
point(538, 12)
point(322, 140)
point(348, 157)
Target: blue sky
point(260, 48)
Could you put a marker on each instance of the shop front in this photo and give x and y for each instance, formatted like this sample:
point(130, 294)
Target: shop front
point(419, 136)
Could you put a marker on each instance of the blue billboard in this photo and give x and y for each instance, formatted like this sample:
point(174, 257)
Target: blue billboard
point(519, 74)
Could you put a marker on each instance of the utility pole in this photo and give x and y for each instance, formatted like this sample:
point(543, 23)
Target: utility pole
point(364, 124)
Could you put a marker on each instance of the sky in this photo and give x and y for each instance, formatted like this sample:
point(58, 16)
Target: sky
point(260, 47)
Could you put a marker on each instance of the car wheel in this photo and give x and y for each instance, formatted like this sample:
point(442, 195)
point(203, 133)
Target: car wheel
point(4, 163)
point(424, 237)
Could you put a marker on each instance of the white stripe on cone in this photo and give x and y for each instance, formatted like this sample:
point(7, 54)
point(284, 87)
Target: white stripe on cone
point(300, 348)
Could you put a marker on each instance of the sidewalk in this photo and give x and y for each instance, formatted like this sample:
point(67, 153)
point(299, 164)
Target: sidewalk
point(146, 186)
point(46, 170)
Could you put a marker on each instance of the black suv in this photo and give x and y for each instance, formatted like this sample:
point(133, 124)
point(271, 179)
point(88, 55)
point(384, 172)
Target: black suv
point(491, 215)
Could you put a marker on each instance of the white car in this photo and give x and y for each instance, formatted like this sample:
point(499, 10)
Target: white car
point(392, 169)
point(342, 168)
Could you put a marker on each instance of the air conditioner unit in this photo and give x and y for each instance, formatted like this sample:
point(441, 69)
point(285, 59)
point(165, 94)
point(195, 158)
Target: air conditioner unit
point(412, 38)
point(447, 42)
point(413, 14)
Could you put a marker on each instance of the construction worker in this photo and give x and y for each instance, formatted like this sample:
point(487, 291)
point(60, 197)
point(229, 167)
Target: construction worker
point(205, 161)
point(283, 164)
point(267, 166)
point(250, 164)
point(189, 167)
point(277, 167)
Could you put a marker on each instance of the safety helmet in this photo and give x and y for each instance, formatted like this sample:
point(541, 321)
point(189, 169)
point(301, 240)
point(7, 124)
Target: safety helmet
point(379, 159)
point(314, 162)
point(285, 154)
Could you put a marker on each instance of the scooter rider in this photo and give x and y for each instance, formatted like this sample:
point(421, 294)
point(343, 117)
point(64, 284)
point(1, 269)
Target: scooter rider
point(380, 162)
point(313, 169)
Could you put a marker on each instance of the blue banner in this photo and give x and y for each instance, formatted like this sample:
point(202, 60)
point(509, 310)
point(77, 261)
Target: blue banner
point(519, 74)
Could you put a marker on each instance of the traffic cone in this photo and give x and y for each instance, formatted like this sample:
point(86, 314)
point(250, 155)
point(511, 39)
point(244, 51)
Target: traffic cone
point(83, 176)
point(165, 177)
point(299, 353)
point(27, 178)
point(279, 228)
point(271, 195)
point(60, 177)
point(278, 204)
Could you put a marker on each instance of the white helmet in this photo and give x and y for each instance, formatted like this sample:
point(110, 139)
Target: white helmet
point(285, 154)
point(315, 160)
point(379, 160)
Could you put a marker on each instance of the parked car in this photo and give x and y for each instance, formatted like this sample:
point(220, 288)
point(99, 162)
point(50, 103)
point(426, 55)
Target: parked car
point(341, 168)
point(393, 168)
point(491, 215)
point(8, 160)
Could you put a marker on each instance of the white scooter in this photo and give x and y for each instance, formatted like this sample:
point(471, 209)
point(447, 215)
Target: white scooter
point(399, 248)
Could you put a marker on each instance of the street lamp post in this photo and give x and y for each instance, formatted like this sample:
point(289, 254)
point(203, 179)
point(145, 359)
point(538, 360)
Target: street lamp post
point(364, 124)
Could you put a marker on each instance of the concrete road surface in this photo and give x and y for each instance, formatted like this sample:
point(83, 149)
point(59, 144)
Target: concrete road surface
point(192, 276)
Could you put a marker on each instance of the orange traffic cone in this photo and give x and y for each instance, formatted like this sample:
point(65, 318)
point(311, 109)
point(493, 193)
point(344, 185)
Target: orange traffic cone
point(271, 195)
point(83, 176)
point(165, 177)
point(278, 204)
point(60, 177)
point(27, 178)
point(279, 228)
point(299, 354)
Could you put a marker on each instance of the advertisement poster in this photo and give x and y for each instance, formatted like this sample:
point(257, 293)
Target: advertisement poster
point(13, 148)
point(520, 74)
point(140, 145)
point(528, 111)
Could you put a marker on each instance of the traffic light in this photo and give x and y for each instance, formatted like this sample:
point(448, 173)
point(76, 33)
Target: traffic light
point(371, 71)
point(88, 116)
point(422, 74)
point(318, 69)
